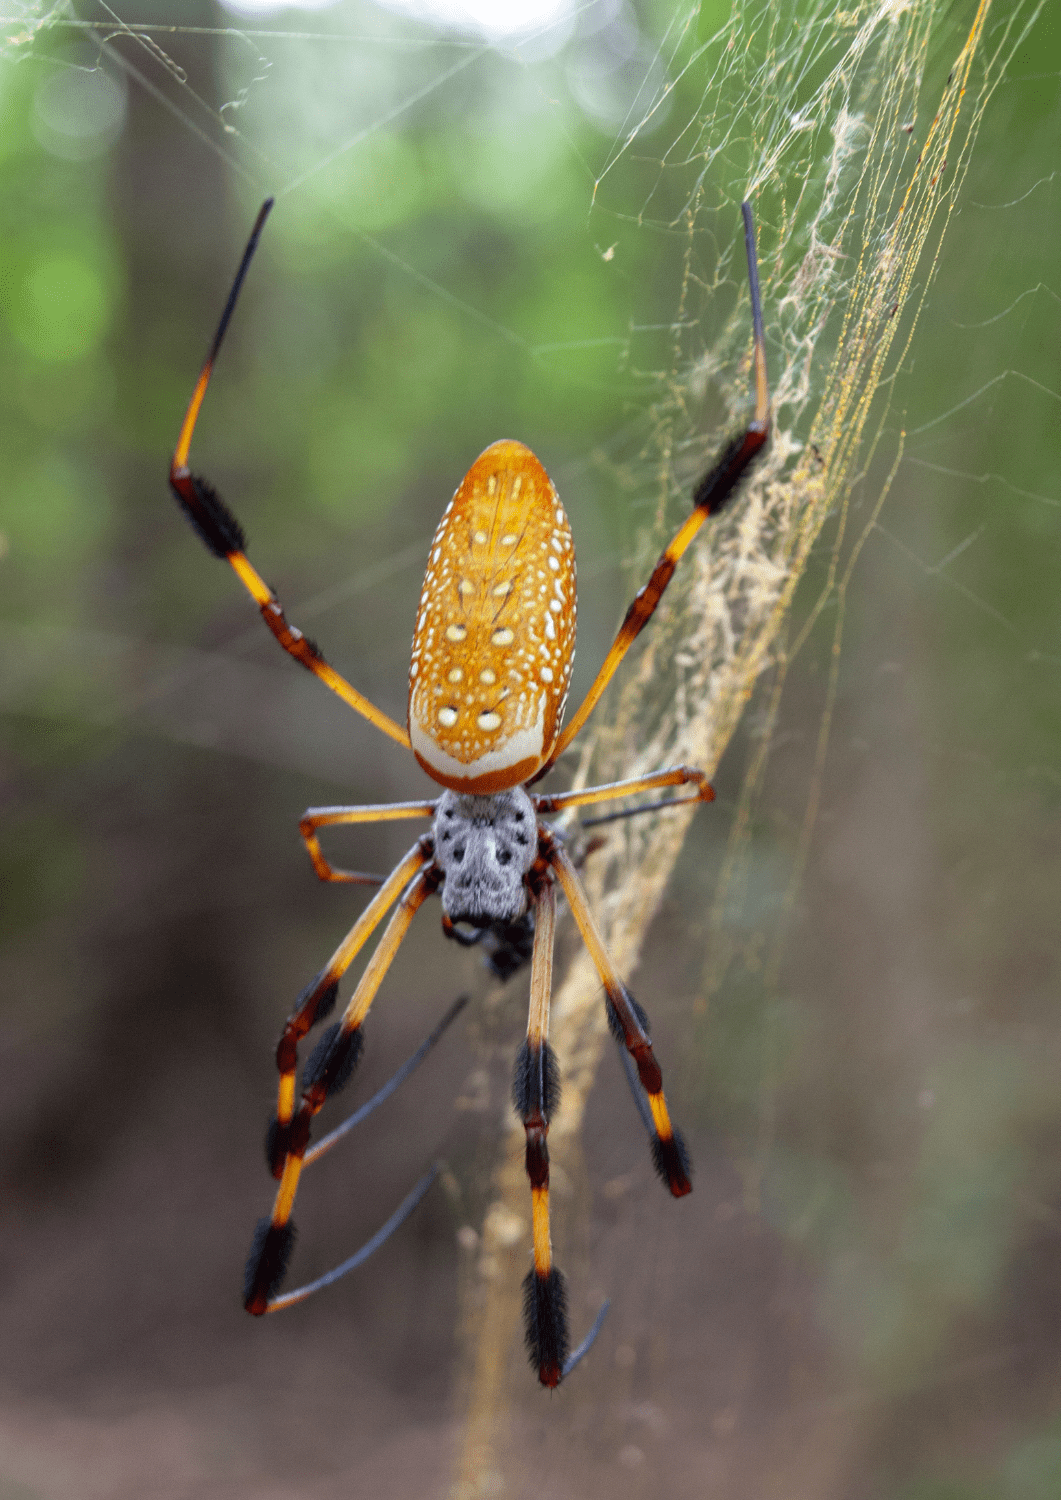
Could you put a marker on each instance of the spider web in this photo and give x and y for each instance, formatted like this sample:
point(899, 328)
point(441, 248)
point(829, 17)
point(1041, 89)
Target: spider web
point(807, 111)
point(850, 230)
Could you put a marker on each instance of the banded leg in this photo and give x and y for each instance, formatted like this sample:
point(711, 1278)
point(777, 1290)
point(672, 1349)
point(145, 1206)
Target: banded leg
point(673, 776)
point(329, 817)
point(318, 998)
point(222, 534)
point(627, 1021)
point(330, 1066)
point(712, 492)
point(535, 1093)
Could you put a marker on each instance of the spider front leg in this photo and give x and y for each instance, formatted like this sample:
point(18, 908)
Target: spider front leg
point(627, 1022)
point(318, 998)
point(328, 1069)
point(221, 534)
point(409, 1203)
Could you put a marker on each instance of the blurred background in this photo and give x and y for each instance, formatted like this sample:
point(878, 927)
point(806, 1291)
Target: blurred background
point(483, 229)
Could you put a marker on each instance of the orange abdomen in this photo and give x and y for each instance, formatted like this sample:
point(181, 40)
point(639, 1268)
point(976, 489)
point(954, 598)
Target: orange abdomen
point(495, 630)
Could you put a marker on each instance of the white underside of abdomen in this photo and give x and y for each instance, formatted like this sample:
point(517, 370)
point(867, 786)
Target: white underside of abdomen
point(522, 745)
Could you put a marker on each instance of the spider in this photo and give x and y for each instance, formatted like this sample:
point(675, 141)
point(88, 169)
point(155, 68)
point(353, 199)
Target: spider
point(488, 684)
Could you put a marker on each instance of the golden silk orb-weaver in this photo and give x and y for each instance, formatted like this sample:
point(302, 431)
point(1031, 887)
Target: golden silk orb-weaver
point(488, 681)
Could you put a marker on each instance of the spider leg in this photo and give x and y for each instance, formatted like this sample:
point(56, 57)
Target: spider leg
point(673, 776)
point(509, 947)
point(535, 1093)
point(222, 534)
point(317, 999)
point(711, 493)
point(328, 817)
point(627, 1021)
point(327, 1070)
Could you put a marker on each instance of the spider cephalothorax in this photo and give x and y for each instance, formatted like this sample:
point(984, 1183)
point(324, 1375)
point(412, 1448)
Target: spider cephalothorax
point(488, 681)
point(485, 846)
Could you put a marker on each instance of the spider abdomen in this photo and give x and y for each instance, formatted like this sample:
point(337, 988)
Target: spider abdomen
point(495, 629)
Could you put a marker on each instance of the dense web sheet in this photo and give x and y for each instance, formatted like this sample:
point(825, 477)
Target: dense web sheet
point(854, 152)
